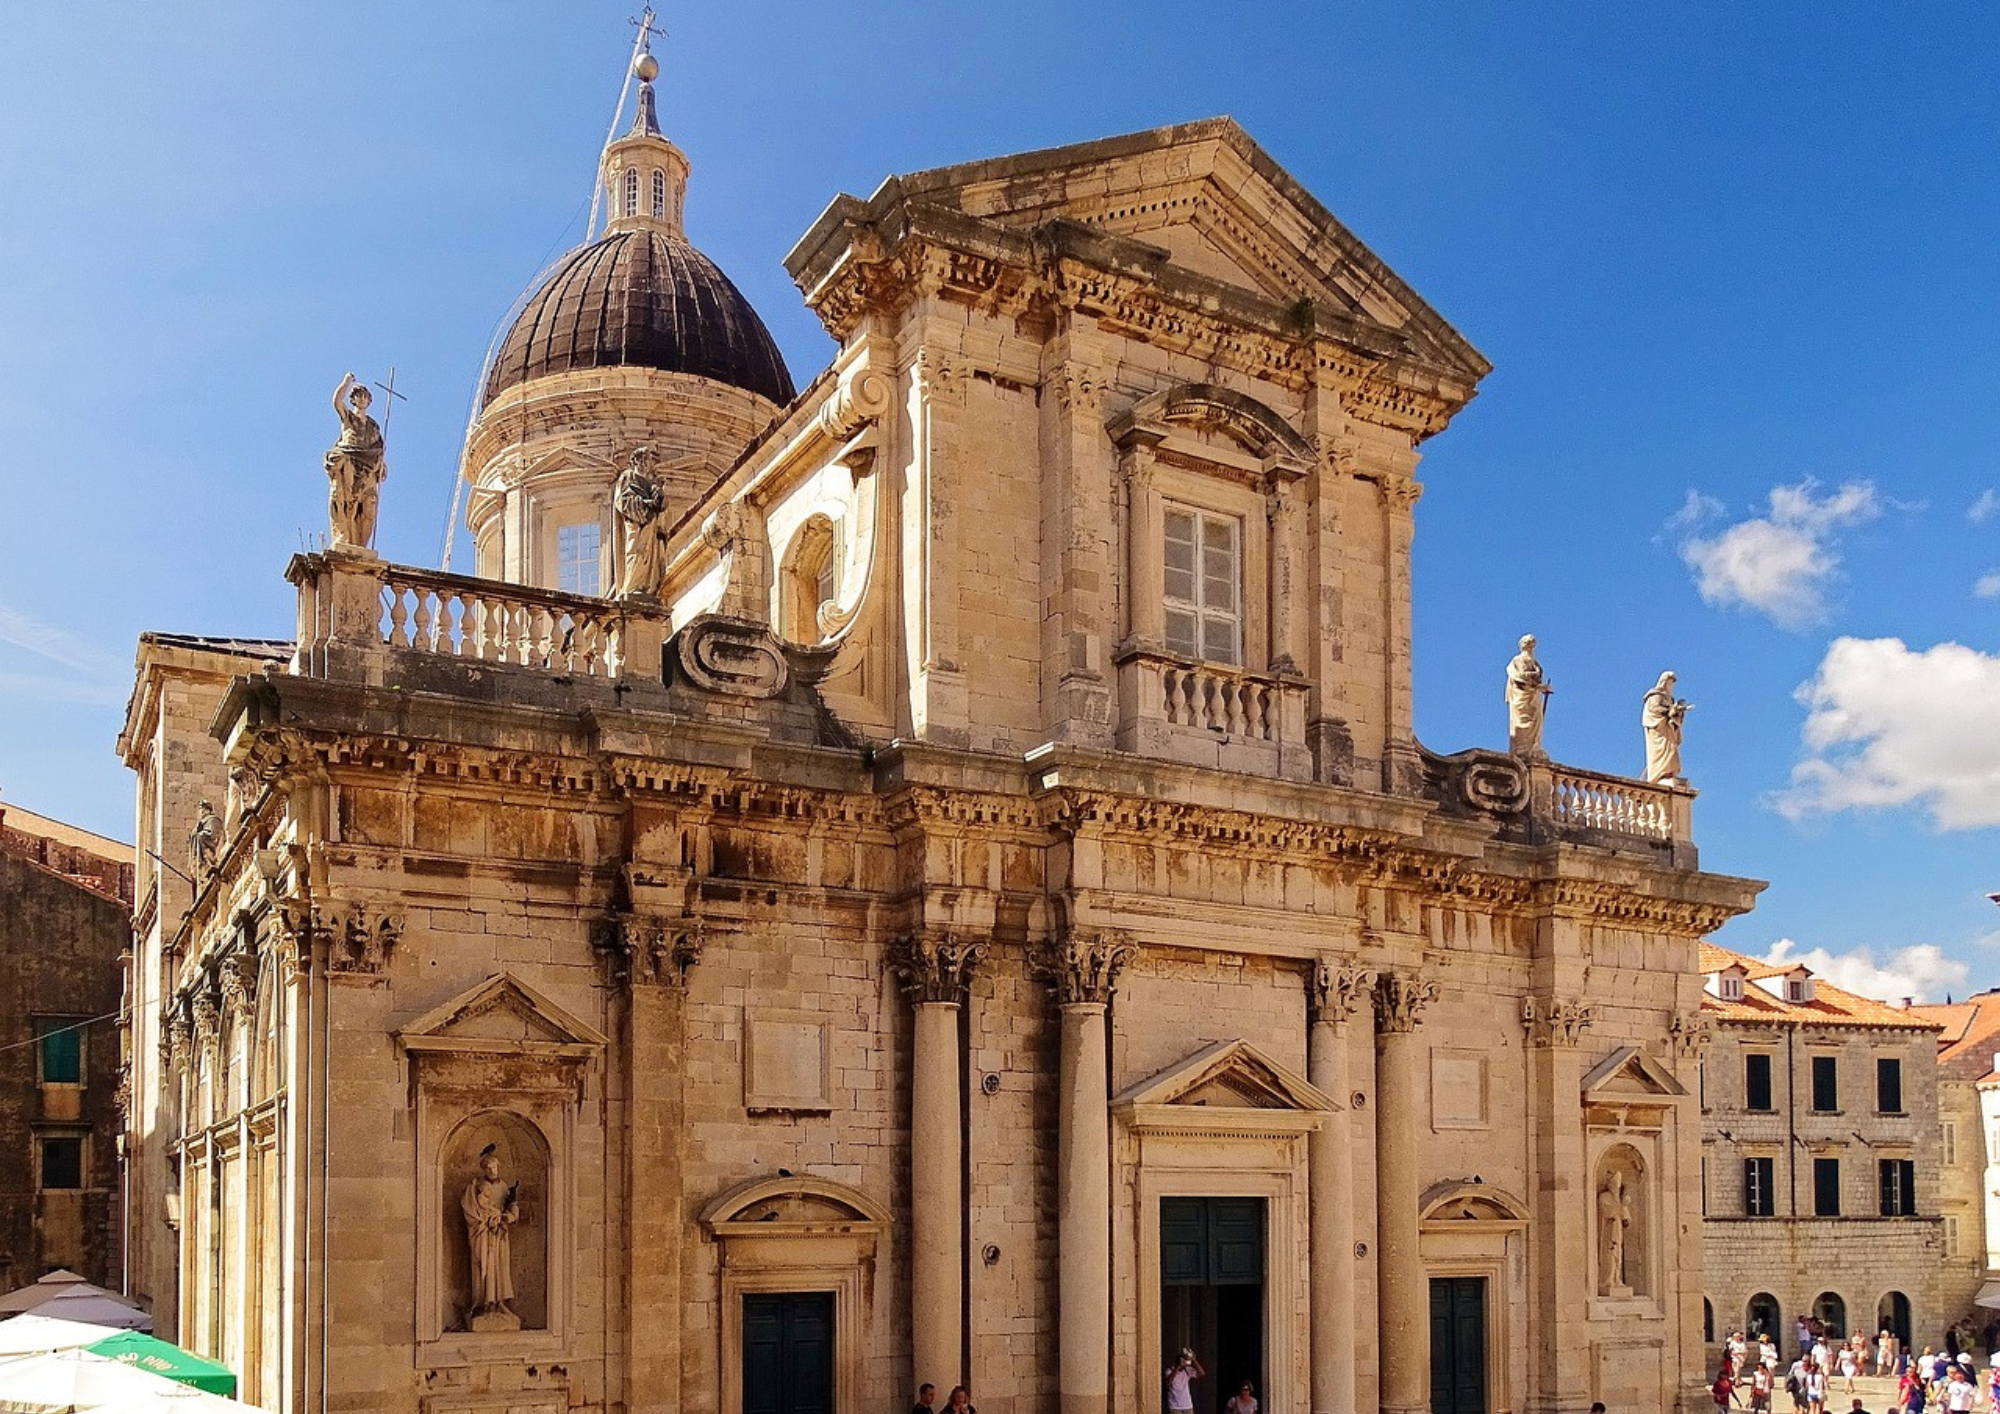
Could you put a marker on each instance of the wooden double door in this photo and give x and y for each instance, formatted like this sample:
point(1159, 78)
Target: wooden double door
point(1458, 1345)
point(788, 1352)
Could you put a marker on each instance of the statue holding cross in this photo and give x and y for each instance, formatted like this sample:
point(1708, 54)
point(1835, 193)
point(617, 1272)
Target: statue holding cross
point(355, 469)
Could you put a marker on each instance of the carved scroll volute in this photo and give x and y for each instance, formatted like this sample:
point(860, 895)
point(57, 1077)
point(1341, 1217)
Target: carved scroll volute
point(1400, 1000)
point(1555, 1023)
point(1335, 990)
point(935, 966)
point(1082, 966)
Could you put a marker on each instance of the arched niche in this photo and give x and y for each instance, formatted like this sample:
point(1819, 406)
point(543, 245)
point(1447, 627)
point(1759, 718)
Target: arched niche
point(1622, 1198)
point(797, 1233)
point(520, 1161)
point(807, 580)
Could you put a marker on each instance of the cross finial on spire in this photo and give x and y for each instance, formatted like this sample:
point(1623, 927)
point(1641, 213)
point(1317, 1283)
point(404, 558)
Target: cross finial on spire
point(643, 22)
point(645, 68)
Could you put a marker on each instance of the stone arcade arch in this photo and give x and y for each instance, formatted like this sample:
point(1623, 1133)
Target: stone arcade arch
point(1831, 1310)
point(1892, 1314)
point(1763, 1316)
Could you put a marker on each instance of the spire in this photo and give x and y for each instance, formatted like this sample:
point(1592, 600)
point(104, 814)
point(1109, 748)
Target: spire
point(644, 175)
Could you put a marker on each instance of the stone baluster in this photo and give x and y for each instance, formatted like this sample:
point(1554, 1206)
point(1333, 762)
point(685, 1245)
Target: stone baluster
point(935, 970)
point(1082, 968)
point(1335, 992)
point(1400, 1102)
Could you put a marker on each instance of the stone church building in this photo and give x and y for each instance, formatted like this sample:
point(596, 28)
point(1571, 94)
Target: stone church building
point(924, 877)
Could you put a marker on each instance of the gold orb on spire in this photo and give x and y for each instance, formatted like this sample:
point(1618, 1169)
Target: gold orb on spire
point(646, 68)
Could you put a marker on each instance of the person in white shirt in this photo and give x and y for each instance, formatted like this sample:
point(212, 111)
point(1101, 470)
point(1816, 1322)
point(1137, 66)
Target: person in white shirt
point(1960, 1393)
point(1181, 1376)
point(1244, 1401)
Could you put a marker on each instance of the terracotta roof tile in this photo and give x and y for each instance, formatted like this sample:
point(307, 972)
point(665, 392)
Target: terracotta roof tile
point(1831, 1005)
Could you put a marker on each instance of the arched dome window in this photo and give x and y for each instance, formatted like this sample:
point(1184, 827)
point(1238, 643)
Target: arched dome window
point(659, 195)
point(631, 191)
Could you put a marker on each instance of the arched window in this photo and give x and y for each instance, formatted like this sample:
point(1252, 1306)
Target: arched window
point(659, 194)
point(1762, 1315)
point(1832, 1313)
point(631, 191)
point(809, 580)
point(1892, 1314)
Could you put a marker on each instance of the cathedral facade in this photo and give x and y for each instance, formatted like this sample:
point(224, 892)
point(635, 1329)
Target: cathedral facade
point(927, 878)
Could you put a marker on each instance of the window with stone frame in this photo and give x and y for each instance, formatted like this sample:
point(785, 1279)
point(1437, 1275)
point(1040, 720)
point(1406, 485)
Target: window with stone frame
point(59, 1050)
point(1202, 584)
point(1826, 1084)
point(631, 191)
point(1948, 1143)
point(1889, 1085)
point(1898, 1183)
point(659, 194)
point(579, 566)
point(1760, 1194)
point(1950, 1236)
point(61, 1163)
point(1757, 1081)
point(1826, 1188)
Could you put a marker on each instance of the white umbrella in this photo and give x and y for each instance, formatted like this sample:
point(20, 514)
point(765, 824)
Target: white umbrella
point(76, 1381)
point(37, 1335)
point(35, 1293)
point(95, 1306)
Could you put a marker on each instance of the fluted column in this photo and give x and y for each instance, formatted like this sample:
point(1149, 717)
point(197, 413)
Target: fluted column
point(1082, 969)
point(1334, 992)
point(1400, 999)
point(934, 970)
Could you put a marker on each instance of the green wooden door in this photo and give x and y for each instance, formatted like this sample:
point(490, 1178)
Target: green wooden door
point(788, 1352)
point(1458, 1345)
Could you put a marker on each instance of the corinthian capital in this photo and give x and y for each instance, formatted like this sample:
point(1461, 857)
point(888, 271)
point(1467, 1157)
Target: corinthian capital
point(1555, 1023)
point(1335, 989)
point(1400, 999)
point(934, 966)
point(1083, 964)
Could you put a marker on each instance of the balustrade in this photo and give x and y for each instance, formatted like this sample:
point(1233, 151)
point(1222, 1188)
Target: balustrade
point(1212, 714)
point(1587, 800)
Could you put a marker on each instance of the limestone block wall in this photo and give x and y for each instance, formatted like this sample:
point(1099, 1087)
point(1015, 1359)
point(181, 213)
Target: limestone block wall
point(1961, 1200)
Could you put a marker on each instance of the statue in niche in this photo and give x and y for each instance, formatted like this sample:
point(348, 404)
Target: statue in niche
point(355, 468)
point(640, 502)
point(205, 841)
point(1614, 1216)
point(1527, 702)
point(491, 1206)
point(1662, 717)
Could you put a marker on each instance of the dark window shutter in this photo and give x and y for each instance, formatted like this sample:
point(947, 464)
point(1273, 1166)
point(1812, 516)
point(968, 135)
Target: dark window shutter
point(1236, 1241)
point(1889, 1085)
point(1183, 1242)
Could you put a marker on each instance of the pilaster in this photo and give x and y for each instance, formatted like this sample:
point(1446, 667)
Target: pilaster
point(1078, 579)
point(1559, 1371)
point(933, 535)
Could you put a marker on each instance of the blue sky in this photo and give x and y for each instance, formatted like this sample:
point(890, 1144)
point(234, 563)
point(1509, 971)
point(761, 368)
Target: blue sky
point(1738, 268)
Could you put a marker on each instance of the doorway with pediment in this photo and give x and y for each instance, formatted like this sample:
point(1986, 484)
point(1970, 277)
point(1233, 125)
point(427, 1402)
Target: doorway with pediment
point(1210, 1244)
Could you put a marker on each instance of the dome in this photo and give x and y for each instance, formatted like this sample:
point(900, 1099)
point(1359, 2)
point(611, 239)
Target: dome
point(640, 298)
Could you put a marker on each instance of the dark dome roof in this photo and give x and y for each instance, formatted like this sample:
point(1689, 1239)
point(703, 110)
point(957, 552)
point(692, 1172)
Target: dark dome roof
point(640, 299)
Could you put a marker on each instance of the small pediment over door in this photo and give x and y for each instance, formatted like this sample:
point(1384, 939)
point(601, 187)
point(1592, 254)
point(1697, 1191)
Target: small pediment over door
point(1629, 1089)
point(1228, 1086)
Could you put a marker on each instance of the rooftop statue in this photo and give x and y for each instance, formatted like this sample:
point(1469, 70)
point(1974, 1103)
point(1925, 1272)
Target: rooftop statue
point(355, 468)
point(1527, 702)
point(639, 501)
point(1662, 718)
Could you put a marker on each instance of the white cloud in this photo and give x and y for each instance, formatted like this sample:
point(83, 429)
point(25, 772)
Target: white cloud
point(1887, 726)
point(45, 640)
point(1984, 508)
point(90, 674)
point(1921, 971)
point(1987, 586)
point(1778, 563)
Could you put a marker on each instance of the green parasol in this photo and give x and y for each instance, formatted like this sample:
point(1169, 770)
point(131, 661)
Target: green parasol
point(156, 1357)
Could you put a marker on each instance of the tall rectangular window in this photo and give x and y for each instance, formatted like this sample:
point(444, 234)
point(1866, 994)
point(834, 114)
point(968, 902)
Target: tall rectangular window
point(1949, 1148)
point(1899, 1187)
point(1760, 1198)
point(1889, 1085)
point(1825, 1084)
point(577, 562)
point(1950, 1236)
point(1756, 1082)
point(61, 1047)
point(62, 1161)
point(1203, 585)
point(1826, 1188)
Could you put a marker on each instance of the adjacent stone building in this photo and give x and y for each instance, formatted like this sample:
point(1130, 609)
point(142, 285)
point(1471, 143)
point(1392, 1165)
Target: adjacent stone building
point(1969, 1162)
point(1820, 1172)
point(927, 877)
point(65, 916)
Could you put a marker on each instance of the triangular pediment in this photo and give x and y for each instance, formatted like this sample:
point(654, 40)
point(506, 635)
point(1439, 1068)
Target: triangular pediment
point(501, 1013)
point(1213, 203)
point(1628, 1074)
point(1230, 1075)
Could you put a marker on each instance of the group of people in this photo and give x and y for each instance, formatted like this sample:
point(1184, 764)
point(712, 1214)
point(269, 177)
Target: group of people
point(1748, 1377)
